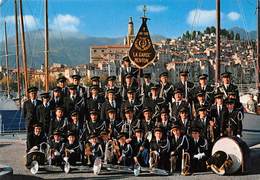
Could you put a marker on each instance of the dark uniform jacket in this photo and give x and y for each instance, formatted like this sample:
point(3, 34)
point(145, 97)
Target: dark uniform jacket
point(230, 88)
point(179, 144)
point(166, 91)
point(209, 91)
point(74, 104)
point(176, 106)
point(234, 121)
point(190, 90)
point(106, 106)
point(186, 128)
point(60, 125)
point(147, 126)
point(114, 127)
point(129, 127)
point(33, 140)
point(146, 89)
point(44, 115)
point(29, 113)
point(136, 144)
point(155, 104)
point(95, 103)
point(92, 127)
point(136, 105)
point(220, 116)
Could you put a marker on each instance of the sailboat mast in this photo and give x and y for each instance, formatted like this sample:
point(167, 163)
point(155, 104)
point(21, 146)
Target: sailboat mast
point(46, 52)
point(258, 51)
point(17, 54)
point(217, 72)
point(23, 50)
point(6, 62)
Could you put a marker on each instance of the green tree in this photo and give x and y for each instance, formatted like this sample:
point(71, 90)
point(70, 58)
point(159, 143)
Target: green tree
point(212, 29)
point(207, 30)
point(237, 37)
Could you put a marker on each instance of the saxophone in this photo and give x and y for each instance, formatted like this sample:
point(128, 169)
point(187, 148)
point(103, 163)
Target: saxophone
point(185, 163)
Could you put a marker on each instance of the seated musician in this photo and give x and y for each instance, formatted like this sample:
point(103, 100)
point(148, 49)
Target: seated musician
point(140, 148)
point(122, 151)
point(198, 150)
point(159, 150)
point(113, 124)
point(93, 150)
point(57, 148)
point(73, 124)
point(72, 151)
point(104, 137)
point(35, 138)
point(184, 120)
point(179, 143)
point(165, 122)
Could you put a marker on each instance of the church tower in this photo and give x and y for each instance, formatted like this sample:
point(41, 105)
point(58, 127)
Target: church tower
point(130, 35)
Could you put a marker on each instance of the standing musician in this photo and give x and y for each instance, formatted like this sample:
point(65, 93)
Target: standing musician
point(154, 102)
point(227, 86)
point(127, 69)
point(177, 103)
point(128, 84)
point(59, 122)
point(72, 151)
point(165, 89)
point(179, 143)
point(219, 112)
point(95, 99)
point(29, 109)
point(110, 102)
point(164, 122)
point(113, 124)
point(56, 148)
point(123, 151)
point(201, 102)
point(186, 86)
point(206, 88)
point(92, 150)
point(61, 83)
point(140, 147)
point(185, 121)
point(57, 98)
point(111, 84)
point(147, 122)
point(233, 124)
point(76, 81)
point(44, 112)
point(159, 151)
point(147, 84)
point(198, 150)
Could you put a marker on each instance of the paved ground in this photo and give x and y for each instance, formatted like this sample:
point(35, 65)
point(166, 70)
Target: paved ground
point(12, 151)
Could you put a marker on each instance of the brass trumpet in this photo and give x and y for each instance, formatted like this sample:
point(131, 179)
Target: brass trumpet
point(88, 152)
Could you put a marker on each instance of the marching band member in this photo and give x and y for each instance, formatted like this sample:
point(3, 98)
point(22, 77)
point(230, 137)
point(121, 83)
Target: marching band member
point(185, 121)
point(72, 153)
point(56, 148)
point(59, 122)
point(165, 89)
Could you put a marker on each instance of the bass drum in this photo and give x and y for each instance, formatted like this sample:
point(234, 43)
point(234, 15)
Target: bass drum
point(237, 150)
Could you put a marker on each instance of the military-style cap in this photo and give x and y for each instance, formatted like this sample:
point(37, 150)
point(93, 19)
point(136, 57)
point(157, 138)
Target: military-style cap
point(184, 73)
point(104, 133)
point(57, 89)
point(93, 135)
point(164, 110)
point(164, 74)
point(131, 90)
point(129, 109)
point(146, 109)
point(176, 91)
point(195, 129)
point(176, 125)
point(231, 93)
point(147, 75)
point(72, 86)
point(203, 108)
point(39, 124)
point(59, 108)
point(183, 109)
point(231, 101)
point(138, 130)
point(32, 89)
point(219, 95)
point(76, 76)
point(56, 132)
point(93, 111)
point(74, 113)
point(45, 95)
point(155, 87)
point(111, 91)
point(111, 78)
point(121, 134)
point(226, 74)
point(203, 76)
point(157, 129)
point(126, 58)
point(71, 133)
point(111, 110)
point(94, 87)
point(62, 79)
point(95, 78)
point(201, 93)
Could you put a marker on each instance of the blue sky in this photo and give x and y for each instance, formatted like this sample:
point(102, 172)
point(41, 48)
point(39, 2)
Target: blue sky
point(109, 18)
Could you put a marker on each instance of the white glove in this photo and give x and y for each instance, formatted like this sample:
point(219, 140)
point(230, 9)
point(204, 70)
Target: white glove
point(66, 159)
point(156, 152)
point(172, 153)
point(34, 148)
point(72, 151)
point(56, 153)
point(238, 136)
point(196, 156)
point(201, 155)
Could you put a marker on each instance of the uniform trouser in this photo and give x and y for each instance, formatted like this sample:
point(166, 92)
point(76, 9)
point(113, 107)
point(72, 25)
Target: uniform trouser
point(198, 165)
point(143, 158)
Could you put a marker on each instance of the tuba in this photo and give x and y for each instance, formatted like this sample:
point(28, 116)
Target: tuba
point(185, 163)
point(109, 148)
